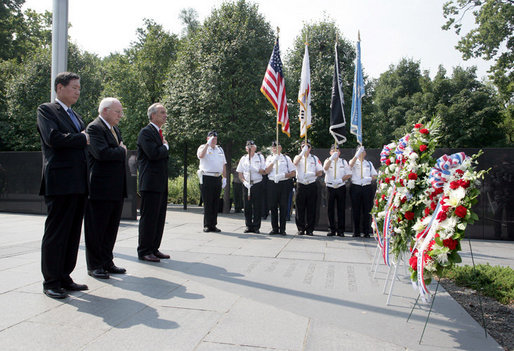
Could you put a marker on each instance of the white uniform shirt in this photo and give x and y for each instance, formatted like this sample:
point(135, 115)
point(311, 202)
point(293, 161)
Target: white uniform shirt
point(212, 163)
point(285, 165)
point(337, 170)
point(251, 169)
point(307, 175)
point(368, 171)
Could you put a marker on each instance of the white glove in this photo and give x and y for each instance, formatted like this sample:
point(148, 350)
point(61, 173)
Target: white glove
point(309, 176)
point(333, 157)
point(305, 148)
point(366, 179)
point(280, 177)
point(223, 183)
point(359, 151)
point(247, 184)
point(209, 141)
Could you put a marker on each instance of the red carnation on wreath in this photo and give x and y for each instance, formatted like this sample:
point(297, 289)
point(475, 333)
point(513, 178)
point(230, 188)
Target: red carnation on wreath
point(423, 148)
point(461, 211)
point(413, 260)
point(413, 176)
point(388, 162)
point(418, 125)
point(450, 243)
point(409, 215)
point(424, 131)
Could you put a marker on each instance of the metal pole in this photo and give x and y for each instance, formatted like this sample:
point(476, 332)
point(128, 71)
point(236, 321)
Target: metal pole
point(184, 195)
point(59, 41)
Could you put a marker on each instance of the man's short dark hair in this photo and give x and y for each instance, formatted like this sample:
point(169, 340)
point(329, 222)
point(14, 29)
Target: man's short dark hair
point(64, 78)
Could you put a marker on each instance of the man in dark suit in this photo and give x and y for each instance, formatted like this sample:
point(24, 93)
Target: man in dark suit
point(107, 188)
point(64, 185)
point(152, 156)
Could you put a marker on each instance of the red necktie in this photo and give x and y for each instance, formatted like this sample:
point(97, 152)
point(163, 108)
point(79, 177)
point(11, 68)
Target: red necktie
point(160, 133)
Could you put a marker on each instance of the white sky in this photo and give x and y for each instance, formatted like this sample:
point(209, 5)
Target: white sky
point(390, 29)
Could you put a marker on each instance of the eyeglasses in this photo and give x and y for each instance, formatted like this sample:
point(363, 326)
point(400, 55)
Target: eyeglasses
point(117, 111)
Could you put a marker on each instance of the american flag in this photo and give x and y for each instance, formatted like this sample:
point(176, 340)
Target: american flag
point(274, 88)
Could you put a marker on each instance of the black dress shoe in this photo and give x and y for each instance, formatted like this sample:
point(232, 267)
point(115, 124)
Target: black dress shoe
point(116, 270)
point(341, 235)
point(247, 230)
point(300, 232)
point(56, 293)
point(309, 233)
point(150, 258)
point(206, 229)
point(366, 235)
point(331, 233)
point(75, 287)
point(256, 231)
point(159, 254)
point(274, 232)
point(99, 273)
point(283, 232)
point(215, 230)
point(356, 235)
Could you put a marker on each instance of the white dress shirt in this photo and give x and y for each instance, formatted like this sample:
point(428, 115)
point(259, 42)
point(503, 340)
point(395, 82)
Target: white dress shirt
point(250, 168)
point(213, 161)
point(368, 171)
point(284, 163)
point(335, 173)
point(307, 174)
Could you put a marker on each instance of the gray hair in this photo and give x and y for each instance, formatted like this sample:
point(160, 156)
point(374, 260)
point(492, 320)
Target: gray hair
point(106, 103)
point(153, 109)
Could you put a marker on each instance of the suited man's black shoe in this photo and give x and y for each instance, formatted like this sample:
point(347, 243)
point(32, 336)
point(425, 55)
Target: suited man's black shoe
point(256, 231)
point(366, 235)
point(356, 235)
point(56, 293)
point(215, 230)
point(150, 258)
point(309, 233)
point(341, 235)
point(116, 270)
point(99, 273)
point(247, 230)
point(206, 229)
point(331, 233)
point(300, 232)
point(274, 232)
point(75, 287)
point(159, 254)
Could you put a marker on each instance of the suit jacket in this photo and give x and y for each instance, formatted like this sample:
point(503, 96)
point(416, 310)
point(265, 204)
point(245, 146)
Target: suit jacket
point(152, 158)
point(64, 152)
point(107, 163)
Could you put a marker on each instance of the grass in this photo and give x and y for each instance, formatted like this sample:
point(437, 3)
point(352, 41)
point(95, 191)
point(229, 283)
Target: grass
point(496, 282)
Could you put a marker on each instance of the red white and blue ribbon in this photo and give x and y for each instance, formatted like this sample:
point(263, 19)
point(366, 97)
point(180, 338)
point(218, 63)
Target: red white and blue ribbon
point(386, 151)
point(378, 236)
point(439, 175)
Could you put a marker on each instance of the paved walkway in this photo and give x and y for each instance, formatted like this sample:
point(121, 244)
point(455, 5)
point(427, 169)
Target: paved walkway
point(227, 291)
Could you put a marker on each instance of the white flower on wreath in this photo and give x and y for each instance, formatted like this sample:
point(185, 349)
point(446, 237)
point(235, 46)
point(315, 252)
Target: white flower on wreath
point(411, 184)
point(456, 196)
point(418, 226)
point(413, 156)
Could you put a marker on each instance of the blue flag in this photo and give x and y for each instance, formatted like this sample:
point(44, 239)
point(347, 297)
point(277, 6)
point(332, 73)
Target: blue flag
point(358, 93)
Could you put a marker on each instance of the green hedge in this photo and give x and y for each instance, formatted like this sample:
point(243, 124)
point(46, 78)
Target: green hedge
point(176, 190)
point(493, 281)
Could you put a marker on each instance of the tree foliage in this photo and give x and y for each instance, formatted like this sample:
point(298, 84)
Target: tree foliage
point(492, 38)
point(321, 38)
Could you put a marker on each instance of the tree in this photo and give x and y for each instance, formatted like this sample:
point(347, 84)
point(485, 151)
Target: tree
point(321, 38)
point(215, 82)
point(492, 38)
point(392, 99)
point(137, 77)
point(29, 86)
point(189, 18)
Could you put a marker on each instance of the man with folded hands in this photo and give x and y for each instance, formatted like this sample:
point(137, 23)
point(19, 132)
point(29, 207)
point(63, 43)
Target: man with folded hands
point(280, 170)
point(337, 172)
point(250, 170)
point(308, 168)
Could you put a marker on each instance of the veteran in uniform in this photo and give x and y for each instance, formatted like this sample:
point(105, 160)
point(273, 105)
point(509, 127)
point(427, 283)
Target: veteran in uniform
point(250, 169)
point(361, 192)
point(308, 168)
point(280, 170)
point(212, 175)
point(337, 173)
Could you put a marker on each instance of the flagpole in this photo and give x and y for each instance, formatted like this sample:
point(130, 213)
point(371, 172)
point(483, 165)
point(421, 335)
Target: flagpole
point(359, 39)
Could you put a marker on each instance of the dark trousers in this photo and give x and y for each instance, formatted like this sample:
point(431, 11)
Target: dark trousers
point(306, 197)
point(336, 198)
point(151, 223)
point(211, 190)
point(278, 194)
point(60, 244)
point(238, 196)
point(253, 206)
point(362, 201)
point(101, 228)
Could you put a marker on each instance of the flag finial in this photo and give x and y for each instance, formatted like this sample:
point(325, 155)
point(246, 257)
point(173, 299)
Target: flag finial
point(278, 31)
point(359, 35)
